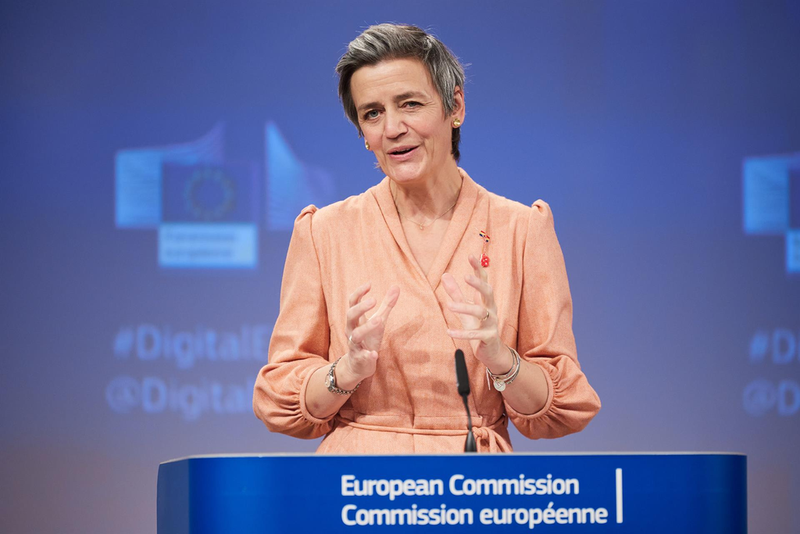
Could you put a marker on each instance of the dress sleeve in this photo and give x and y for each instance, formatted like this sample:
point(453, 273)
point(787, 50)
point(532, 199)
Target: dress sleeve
point(299, 344)
point(545, 336)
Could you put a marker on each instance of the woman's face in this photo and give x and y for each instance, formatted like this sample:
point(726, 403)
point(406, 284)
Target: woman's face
point(402, 118)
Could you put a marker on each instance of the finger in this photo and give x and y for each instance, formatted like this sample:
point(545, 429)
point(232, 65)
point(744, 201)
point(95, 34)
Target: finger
point(480, 272)
point(451, 286)
point(356, 312)
point(356, 295)
point(387, 305)
point(391, 300)
point(365, 330)
point(472, 335)
point(475, 310)
point(483, 288)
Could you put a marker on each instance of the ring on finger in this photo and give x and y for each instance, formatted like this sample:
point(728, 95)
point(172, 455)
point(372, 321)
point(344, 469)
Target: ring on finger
point(485, 316)
point(352, 343)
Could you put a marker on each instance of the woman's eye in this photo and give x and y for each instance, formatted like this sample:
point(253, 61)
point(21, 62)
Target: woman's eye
point(413, 104)
point(371, 114)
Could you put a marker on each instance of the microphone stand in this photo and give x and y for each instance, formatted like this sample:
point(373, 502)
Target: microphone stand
point(462, 381)
point(469, 445)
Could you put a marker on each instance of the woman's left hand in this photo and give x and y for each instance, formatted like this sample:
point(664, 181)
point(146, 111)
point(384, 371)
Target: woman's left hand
point(478, 318)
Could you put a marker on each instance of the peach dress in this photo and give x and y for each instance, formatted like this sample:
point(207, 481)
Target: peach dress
point(410, 404)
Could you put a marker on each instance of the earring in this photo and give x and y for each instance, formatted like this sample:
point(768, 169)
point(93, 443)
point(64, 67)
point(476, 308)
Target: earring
point(366, 144)
point(456, 123)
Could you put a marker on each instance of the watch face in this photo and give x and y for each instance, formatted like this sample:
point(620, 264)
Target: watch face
point(329, 381)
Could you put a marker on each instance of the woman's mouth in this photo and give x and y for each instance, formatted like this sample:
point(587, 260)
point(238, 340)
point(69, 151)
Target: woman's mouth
point(401, 152)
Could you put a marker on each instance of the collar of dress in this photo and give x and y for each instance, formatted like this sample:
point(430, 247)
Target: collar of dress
point(459, 225)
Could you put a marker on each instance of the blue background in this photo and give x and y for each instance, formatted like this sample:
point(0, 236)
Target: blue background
point(632, 119)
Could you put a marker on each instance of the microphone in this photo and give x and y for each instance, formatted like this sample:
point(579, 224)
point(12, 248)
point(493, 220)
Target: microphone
point(462, 381)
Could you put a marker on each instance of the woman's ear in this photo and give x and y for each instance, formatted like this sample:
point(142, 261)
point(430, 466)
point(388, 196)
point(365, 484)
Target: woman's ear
point(459, 110)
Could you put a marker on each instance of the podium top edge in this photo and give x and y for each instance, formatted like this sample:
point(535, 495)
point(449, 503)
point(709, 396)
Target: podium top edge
point(312, 454)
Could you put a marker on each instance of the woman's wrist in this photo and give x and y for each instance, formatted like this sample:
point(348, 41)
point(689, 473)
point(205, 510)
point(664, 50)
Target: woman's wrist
point(503, 361)
point(345, 377)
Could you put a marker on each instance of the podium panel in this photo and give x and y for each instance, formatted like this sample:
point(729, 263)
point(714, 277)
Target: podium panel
point(625, 493)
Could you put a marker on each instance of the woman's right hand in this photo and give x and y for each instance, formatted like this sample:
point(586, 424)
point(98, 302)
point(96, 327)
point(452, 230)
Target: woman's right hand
point(364, 335)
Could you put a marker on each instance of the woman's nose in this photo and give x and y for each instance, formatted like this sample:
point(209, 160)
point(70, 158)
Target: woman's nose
point(395, 125)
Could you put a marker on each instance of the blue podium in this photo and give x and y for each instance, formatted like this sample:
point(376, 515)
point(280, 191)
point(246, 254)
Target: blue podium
point(628, 493)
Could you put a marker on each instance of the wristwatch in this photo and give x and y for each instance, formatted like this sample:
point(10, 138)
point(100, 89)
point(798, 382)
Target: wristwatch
point(501, 381)
point(330, 382)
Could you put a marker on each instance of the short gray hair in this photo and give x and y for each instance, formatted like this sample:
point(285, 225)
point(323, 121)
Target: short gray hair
point(398, 41)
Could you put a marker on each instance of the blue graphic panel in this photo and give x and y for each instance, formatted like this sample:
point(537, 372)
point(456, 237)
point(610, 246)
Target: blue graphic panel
point(292, 184)
point(793, 251)
point(772, 201)
point(138, 176)
point(210, 193)
point(205, 245)
point(766, 195)
point(794, 197)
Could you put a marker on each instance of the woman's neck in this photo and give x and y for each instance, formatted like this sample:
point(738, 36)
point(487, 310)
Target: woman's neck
point(429, 199)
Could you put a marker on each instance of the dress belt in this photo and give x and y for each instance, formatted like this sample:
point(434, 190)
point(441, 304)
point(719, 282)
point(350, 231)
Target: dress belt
point(485, 436)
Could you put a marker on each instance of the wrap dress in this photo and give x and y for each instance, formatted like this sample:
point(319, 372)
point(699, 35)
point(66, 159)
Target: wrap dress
point(411, 404)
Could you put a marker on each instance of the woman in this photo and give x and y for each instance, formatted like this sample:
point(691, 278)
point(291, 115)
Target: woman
point(380, 289)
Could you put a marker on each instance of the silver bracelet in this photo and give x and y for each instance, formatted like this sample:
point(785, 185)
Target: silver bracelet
point(330, 382)
point(501, 381)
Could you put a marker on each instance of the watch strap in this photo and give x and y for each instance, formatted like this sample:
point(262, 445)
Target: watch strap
point(330, 382)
